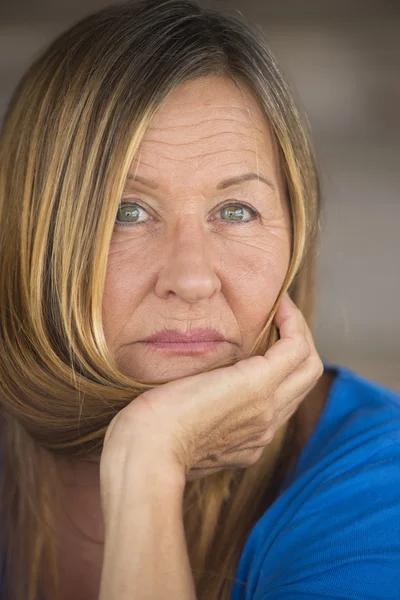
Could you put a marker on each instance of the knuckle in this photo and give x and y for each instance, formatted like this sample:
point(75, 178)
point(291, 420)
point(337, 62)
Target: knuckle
point(258, 453)
point(248, 371)
point(268, 436)
point(255, 362)
point(254, 455)
point(263, 411)
point(318, 366)
point(268, 416)
point(315, 366)
point(242, 368)
point(303, 350)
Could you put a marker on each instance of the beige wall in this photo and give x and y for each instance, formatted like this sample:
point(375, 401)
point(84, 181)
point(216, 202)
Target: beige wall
point(344, 63)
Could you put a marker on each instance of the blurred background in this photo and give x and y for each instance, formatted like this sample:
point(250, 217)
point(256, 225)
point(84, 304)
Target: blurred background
point(342, 59)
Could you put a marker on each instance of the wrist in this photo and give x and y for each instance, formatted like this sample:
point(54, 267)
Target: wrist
point(145, 476)
point(145, 554)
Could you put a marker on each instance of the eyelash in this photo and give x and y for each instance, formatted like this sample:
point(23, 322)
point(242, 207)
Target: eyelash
point(251, 210)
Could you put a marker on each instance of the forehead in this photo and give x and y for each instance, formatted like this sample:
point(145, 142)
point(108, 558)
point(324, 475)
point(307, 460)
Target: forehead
point(205, 124)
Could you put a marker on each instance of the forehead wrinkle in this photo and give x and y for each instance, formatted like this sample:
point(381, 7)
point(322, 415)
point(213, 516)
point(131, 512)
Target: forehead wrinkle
point(223, 166)
point(153, 132)
point(199, 139)
point(252, 125)
point(189, 157)
point(210, 103)
point(204, 121)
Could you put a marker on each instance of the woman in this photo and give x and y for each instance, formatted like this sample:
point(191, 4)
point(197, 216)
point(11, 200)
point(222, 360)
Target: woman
point(158, 205)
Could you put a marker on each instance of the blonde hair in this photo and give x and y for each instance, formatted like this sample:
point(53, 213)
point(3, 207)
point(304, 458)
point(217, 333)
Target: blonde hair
point(67, 142)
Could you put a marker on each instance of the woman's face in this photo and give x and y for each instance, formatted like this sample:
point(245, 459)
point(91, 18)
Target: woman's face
point(181, 256)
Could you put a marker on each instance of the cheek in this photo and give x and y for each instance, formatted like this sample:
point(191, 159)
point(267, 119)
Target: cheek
point(125, 286)
point(260, 273)
point(252, 270)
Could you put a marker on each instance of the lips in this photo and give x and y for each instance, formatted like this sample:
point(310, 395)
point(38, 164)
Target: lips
point(174, 336)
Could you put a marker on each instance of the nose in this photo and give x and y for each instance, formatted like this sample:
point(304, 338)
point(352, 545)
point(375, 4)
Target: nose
point(188, 265)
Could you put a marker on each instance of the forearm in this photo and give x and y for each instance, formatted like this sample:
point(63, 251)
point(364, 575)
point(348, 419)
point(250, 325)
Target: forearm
point(145, 554)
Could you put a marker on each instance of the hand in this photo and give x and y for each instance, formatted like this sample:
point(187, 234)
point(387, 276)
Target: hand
point(223, 418)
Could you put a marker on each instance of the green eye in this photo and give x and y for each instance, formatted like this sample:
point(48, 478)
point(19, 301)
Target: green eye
point(129, 213)
point(235, 212)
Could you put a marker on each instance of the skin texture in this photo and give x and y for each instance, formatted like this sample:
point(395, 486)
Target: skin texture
point(186, 267)
point(187, 426)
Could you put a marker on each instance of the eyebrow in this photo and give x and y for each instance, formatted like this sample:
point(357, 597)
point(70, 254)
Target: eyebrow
point(221, 186)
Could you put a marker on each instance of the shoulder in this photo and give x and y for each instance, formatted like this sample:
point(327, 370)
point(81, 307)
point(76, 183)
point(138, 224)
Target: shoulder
point(334, 531)
point(364, 391)
point(360, 418)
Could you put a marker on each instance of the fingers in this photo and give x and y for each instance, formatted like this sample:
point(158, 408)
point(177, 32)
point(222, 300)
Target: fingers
point(285, 310)
point(294, 390)
point(295, 344)
point(290, 322)
point(303, 378)
point(288, 354)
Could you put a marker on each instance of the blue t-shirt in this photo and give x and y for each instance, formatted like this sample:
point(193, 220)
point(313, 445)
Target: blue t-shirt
point(334, 529)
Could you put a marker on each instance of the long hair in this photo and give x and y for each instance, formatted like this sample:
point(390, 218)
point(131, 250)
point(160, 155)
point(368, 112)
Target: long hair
point(70, 133)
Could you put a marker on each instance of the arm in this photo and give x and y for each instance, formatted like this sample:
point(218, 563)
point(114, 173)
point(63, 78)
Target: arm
point(145, 555)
